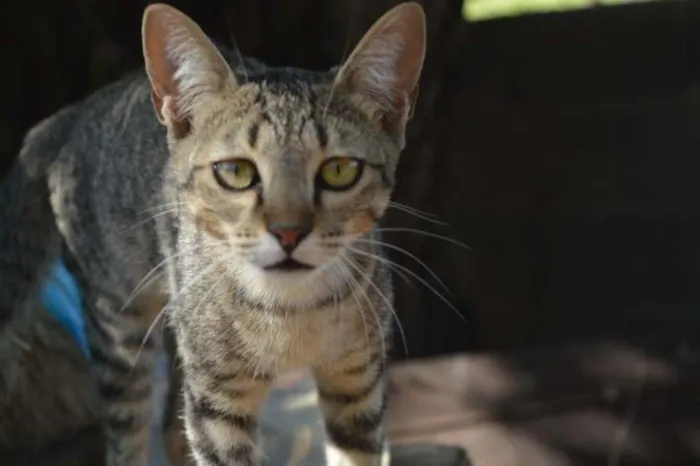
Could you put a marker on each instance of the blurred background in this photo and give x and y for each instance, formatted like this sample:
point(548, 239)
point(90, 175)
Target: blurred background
point(560, 140)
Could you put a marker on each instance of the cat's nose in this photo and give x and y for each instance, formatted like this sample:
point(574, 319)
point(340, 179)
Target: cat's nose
point(289, 236)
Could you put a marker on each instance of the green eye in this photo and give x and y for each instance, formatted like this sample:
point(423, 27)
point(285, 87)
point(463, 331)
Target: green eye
point(340, 173)
point(236, 175)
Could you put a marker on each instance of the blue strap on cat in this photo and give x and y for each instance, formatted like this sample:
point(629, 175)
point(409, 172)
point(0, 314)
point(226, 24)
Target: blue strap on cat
point(61, 298)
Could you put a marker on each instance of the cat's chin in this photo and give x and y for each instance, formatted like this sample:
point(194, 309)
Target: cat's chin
point(289, 285)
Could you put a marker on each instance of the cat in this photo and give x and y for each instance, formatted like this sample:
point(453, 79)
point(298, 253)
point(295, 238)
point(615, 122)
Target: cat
point(236, 202)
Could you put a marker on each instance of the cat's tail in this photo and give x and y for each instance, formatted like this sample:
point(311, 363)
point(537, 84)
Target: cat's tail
point(29, 239)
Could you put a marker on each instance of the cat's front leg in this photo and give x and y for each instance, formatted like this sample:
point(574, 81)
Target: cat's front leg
point(174, 426)
point(221, 414)
point(352, 396)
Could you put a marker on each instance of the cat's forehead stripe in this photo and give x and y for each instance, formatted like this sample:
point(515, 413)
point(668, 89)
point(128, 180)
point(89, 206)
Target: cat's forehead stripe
point(288, 114)
point(321, 133)
point(253, 132)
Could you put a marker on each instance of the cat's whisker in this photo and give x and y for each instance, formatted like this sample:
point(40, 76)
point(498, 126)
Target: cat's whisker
point(152, 276)
point(414, 275)
point(424, 233)
point(391, 309)
point(151, 218)
point(383, 297)
point(409, 254)
point(198, 278)
point(330, 97)
point(235, 47)
point(346, 51)
point(158, 318)
point(398, 272)
point(334, 285)
point(354, 285)
point(166, 308)
point(413, 209)
point(203, 299)
point(402, 276)
point(418, 215)
point(369, 303)
point(167, 205)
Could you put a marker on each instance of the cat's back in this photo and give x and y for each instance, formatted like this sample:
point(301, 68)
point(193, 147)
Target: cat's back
point(106, 176)
point(116, 131)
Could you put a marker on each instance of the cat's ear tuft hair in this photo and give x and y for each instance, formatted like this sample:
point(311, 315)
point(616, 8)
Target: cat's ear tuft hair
point(183, 66)
point(386, 65)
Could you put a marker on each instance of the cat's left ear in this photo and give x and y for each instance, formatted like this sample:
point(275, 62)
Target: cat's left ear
point(385, 67)
point(184, 67)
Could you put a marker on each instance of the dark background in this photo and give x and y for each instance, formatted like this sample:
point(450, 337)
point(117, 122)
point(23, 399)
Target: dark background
point(564, 149)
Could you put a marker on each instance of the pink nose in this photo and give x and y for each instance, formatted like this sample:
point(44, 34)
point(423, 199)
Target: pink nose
point(288, 236)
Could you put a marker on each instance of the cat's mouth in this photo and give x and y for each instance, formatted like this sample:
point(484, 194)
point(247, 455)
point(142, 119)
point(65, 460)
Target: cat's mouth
point(289, 265)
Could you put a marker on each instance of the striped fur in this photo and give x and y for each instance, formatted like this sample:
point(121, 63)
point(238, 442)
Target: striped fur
point(154, 236)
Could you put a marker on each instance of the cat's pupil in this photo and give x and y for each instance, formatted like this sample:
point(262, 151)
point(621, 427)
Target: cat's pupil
point(234, 168)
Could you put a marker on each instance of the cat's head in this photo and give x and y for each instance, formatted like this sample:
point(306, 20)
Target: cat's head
point(283, 170)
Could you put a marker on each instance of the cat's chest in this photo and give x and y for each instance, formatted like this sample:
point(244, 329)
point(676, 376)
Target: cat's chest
point(287, 342)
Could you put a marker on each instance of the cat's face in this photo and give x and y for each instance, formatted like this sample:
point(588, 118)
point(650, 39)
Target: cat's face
point(283, 185)
point(287, 171)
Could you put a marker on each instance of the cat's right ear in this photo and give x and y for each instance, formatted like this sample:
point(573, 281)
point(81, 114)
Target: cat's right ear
point(183, 66)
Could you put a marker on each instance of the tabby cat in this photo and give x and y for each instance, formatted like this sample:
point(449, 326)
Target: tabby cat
point(238, 203)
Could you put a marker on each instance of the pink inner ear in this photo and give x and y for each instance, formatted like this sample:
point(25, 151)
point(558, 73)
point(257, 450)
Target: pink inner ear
point(386, 65)
point(394, 118)
point(157, 105)
point(166, 111)
point(160, 69)
point(158, 26)
point(183, 66)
